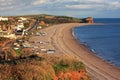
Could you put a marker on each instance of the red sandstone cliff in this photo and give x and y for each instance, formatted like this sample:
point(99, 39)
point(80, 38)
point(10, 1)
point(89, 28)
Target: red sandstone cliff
point(89, 20)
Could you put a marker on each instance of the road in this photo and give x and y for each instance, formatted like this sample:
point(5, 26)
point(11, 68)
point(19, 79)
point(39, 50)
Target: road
point(33, 26)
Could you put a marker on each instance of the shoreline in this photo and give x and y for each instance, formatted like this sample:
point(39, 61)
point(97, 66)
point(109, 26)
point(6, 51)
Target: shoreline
point(61, 39)
point(92, 50)
point(106, 63)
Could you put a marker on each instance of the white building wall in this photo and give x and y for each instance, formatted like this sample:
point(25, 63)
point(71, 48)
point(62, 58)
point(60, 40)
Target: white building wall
point(3, 19)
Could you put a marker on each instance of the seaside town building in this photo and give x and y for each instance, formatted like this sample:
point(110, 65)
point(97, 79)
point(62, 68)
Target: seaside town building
point(10, 27)
point(22, 18)
point(3, 19)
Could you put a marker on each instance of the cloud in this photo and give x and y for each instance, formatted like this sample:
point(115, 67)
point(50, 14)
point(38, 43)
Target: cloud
point(95, 4)
point(114, 5)
point(39, 2)
point(84, 6)
point(6, 4)
point(79, 4)
point(11, 7)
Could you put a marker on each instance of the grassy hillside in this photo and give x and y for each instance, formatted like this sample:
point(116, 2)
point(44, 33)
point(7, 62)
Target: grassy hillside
point(52, 19)
point(45, 67)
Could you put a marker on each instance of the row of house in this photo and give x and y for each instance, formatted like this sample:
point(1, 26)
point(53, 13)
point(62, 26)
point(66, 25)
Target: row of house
point(9, 26)
point(9, 18)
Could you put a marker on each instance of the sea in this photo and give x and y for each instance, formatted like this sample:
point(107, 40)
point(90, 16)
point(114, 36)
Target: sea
point(103, 39)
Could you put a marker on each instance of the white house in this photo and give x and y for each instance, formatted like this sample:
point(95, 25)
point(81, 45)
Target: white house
point(23, 19)
point(3, 19)
point(19, 27)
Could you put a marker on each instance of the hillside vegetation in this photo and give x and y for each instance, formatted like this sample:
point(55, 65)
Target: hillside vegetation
point(52, 19)
point(45, 67)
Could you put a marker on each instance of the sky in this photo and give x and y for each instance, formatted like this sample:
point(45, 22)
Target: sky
point(74, 8)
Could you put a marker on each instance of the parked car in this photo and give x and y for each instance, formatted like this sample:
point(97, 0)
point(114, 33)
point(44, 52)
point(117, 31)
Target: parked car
point(43, 34)
point(40, 42)
point(50, 51)
point(43, 49)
